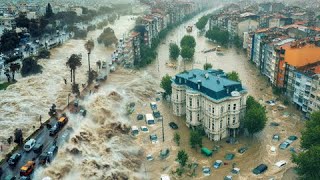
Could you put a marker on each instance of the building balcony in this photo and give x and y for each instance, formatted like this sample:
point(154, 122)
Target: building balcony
point(235, 125)
point(178, 101)
point(193, 108)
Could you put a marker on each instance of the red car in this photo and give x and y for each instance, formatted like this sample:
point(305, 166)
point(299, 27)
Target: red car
point(28, 168)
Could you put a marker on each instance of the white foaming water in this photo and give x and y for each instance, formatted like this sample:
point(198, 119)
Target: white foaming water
point(23, 102)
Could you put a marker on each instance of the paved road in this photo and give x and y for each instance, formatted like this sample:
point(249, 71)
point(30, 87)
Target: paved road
point(42, 137)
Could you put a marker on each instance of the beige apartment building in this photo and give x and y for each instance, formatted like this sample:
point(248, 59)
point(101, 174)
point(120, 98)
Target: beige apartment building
point(209, 99)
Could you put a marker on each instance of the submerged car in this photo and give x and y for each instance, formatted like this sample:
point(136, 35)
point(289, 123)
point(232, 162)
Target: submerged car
point(260, 169)
point(284, 145)
point(242, 150)
point(206, 171)
point(173, 125)
point(281, 163)
point(144, 129)
point(153, 138)
point(217, 164)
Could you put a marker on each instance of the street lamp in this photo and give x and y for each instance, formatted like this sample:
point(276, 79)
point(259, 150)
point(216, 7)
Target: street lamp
point(68, 99)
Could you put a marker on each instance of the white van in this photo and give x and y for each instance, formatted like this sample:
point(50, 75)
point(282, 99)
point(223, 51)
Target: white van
point(165, 177)
point(134, 130)
point(150, 119)
point(29, 145)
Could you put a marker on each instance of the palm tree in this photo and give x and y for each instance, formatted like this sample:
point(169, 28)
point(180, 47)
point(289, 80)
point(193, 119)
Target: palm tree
point(89, 45)
point(73, 62)
point(13, 68)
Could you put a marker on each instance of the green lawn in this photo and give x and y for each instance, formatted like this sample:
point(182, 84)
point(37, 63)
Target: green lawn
point(4, 86)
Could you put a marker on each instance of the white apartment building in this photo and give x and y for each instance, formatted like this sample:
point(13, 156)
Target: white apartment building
point(209, 99)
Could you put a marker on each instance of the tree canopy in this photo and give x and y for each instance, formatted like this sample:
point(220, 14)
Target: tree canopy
point(107, 37)
point(188, 41)
point(9, 40)
point(215, 34)
point(174, 51)
point(195, 138)
point(166, 84)
point(308, 161)
point(30, 66)
point(234, 76)
point(202, 22)
point(49, 12)
point(182, 158)
point(187, 52)
point(255, 117)
point(207, 66)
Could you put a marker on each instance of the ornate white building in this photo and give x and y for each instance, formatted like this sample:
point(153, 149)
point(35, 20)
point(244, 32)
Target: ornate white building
point(209, 99)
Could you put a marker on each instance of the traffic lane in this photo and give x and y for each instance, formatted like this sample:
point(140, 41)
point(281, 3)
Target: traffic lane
point(42, 137)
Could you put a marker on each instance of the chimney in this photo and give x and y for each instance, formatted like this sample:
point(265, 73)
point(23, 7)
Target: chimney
point(199, 84)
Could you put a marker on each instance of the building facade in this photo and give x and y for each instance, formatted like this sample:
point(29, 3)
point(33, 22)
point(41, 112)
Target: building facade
point(210, 100)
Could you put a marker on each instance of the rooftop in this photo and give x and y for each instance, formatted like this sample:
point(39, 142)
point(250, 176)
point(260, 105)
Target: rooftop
point(213, 83)
point(301, 55)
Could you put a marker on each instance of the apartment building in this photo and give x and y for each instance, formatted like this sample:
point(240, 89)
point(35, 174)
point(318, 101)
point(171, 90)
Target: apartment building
point(210, 100)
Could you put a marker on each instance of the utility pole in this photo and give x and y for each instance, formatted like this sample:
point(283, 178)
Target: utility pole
point(162, 129)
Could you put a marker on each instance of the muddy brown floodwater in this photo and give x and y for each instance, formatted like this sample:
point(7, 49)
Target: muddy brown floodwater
point(100, 147)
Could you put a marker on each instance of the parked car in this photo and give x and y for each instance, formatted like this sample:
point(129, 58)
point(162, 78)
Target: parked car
point(47, 157)
point(52, 151)
point(153, 138)
point(54, 130)
point(28, 168)
point(235, 170)
point(281, 163)
point(229, 156)
point(284, 145)
point(227, 178)
point(29, 145)
point(144, 129)
point(217, 164)
point(38, 148)
point(13, 160)
point(206, 171)
point(173, 125)
point(165, 177)
point(260, 169)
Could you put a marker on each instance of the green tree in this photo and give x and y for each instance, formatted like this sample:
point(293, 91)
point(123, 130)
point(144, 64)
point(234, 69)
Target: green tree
point(107, 37)
point(176, 138)
point(166, 84)
point(9, 40)
point(215, 34)
point(207, 66)
point(30, 66)
point(202, 22)
point(187, 52)
point(49, 12)
point(234, 76)
point(182, 158)
point(13, 68)
point(73, 63)
point(44, 54)
point(22, 21)
point(174, 51)
point(308, 163)
point(237, 42)
point(255, 117)
point(188, 41)
point(311, 134)
point(195, 139)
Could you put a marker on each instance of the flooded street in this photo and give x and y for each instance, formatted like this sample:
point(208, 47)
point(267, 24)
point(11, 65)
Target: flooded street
point(100, 147)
